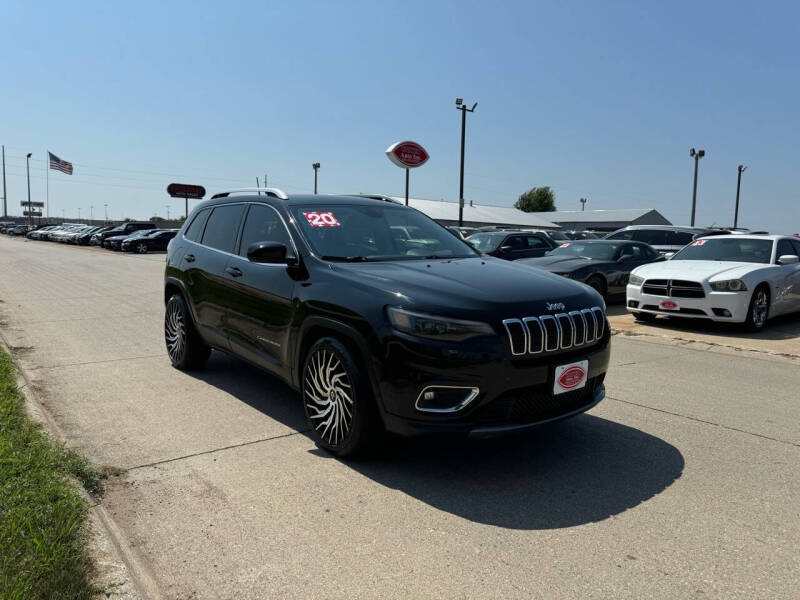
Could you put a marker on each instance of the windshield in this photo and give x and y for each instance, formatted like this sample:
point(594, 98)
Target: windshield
point(559, 235)
point(375, 233)
point(728, 249)
point(584, 250)
point(486, 242)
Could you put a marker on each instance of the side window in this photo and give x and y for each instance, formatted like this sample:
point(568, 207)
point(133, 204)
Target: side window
point(195, 230)
point(222, 227)
point(785, 247)
point(516, 242)
point(537, 242)
point(679, 238)
point(796, 247)
point(263, 225)
point(656, 237)
point(626, 234)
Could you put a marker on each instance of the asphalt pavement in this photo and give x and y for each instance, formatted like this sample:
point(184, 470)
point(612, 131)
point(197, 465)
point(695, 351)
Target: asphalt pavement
point(684, 482)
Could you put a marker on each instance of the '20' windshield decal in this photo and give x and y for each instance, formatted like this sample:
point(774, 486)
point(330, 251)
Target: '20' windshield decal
point(321, 219)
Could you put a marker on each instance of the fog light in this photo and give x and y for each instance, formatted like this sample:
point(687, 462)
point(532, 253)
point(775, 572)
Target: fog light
point(445, 399)
point(633, 303)
point(722, 312)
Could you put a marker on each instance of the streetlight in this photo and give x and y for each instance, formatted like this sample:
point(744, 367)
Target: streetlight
point(697, 155)
point(105, 206)
point(91, 214)
point(167, 212)
point(741, 169)
point(28, 168)
point(583, 203)
point(315, 166)
point(79, 214)
point(464, 110)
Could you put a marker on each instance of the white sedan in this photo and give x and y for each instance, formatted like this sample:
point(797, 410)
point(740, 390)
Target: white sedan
point(734, 278)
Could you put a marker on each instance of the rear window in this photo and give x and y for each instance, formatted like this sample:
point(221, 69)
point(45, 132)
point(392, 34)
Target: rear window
point(679, 238)
point(654, 237)
point(222, 227)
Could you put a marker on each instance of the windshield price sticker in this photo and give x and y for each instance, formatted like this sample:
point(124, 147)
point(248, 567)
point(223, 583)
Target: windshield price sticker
point(699, 242)
point(565, 245)
point(321, 219)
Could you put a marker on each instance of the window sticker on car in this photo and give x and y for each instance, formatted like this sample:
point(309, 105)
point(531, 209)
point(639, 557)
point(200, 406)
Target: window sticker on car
point(699, 242)
point(565, 245)
point(321, 219)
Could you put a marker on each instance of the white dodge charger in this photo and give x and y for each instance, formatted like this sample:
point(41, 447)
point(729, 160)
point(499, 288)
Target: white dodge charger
point(737, 278)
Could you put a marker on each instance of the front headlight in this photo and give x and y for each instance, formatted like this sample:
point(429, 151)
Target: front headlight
point(635, 280)
point(438, 328)
point(729, 285)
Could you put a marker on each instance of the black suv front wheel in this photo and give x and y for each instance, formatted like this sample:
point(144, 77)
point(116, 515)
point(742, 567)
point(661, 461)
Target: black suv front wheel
point(339, 408)
point(185, 347)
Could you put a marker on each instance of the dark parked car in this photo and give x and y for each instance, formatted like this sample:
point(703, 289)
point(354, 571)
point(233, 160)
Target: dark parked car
point(377, 331)
point(124, 229)
point(605, 265)
point(84, 238)
point(115, 242)
point(19, 230)
point(511, 245)
point(666, 239)
point(151, 242)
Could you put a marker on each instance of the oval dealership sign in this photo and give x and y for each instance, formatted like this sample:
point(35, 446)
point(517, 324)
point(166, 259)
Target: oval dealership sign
point(408, 155)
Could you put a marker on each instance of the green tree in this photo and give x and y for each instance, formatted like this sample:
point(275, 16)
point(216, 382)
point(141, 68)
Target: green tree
point(537, 199)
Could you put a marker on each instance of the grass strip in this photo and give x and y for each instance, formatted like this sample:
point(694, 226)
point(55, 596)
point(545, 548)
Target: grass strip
point(43, 530)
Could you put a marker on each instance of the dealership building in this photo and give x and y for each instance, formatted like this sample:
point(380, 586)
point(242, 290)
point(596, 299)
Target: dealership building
point(606, 220)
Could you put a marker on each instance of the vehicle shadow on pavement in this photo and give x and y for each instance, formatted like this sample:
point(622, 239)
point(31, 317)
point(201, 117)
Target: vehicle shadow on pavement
point(579, 471)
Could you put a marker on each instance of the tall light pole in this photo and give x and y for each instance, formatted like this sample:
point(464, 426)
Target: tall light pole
point(28, 169)
point(105, 206)
point(315, 166)
point(583, 203)
point(464, 110)
point(91, 214)
point(741, 169)
point(167, 212)
point(79, 213)
point(5, 200)
point(697, 155)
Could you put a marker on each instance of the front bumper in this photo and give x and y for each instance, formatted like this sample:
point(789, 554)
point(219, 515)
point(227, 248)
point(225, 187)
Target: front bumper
point(514, 394)
point(723, 307)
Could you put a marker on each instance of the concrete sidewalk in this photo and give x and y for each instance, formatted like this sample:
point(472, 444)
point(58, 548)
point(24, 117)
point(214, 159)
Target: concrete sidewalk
point(682, 483)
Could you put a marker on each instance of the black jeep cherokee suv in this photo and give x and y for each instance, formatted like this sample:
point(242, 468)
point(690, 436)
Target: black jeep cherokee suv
point(380, 317)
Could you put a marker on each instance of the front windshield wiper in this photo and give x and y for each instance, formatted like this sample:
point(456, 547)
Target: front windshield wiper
point(345, 258)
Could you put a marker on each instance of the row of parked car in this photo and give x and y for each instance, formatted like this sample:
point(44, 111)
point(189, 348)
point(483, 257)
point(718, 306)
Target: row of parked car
point(139, 237)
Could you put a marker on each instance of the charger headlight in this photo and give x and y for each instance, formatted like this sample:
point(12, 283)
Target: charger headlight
point(635, 280)
point(434, 327)
point(728, 285)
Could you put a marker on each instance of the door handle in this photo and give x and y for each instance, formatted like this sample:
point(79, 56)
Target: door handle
point(233, 271)
point(189, 258)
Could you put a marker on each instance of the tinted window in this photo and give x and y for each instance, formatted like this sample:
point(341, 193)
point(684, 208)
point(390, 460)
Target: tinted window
point(222, 227)
point(263, 225)
point(728, 249)
point(537, 242)
point(656, 237)
point(796, 247)
point(679, 238)
point(627, 234)
point(516, 242)
point(785, 247)
point(195, 230)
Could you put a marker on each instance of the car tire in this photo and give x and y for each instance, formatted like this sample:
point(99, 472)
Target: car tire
point(644, 317)
point(598, 284)
point(141, 248)
point(186, 349)
point(337, 400)
point(758, 310)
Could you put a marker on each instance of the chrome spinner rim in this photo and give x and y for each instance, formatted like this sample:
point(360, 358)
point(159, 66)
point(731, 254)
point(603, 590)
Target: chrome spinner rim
point(760, 307)
point(328, 397)
point(175, 332)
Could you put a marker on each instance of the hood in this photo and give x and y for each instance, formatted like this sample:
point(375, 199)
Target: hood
point(697, 270)
point(469, 287)
point(559, 264)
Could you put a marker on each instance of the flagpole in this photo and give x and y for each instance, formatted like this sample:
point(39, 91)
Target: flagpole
point(47, 168)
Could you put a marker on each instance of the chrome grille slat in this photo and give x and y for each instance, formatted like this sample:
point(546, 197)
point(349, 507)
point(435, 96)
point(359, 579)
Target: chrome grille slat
point(560, 331)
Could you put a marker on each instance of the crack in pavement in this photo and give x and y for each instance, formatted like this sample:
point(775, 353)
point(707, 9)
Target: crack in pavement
point(214, 450)
point(697, 420)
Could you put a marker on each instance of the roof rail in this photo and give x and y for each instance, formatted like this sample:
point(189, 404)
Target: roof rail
point(375, 197)
point(273, 192)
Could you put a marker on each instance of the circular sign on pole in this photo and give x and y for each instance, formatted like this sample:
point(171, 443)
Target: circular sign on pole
point(407, 155)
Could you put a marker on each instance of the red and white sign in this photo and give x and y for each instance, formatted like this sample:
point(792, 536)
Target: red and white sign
point(407, 155)
point(570, 377)
point(699, 242)
point(31, 213)
point(565, 245)
point(669, 305)
point(321, 219)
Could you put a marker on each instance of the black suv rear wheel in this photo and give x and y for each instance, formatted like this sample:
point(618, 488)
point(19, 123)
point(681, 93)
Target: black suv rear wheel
point(185, 347)
point(337, 401)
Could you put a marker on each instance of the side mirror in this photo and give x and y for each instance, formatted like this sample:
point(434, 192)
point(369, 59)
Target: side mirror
point(788, 259)
point(267, 253)
point(623, 258)
point(504, 249)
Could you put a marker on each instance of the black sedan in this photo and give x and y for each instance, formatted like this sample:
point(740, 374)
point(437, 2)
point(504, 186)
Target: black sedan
point(604, 265)
point(153, 241)
point(115, 241)
point(511, 245)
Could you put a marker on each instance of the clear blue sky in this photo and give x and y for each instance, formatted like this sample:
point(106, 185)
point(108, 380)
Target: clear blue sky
point(601, 100)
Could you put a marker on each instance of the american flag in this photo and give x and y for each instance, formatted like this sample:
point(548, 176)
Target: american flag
point(60, 165)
